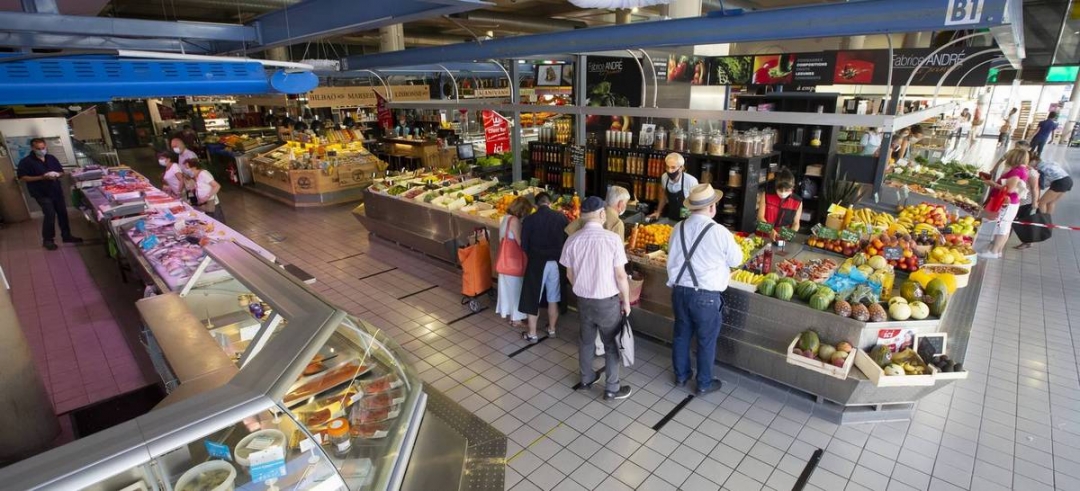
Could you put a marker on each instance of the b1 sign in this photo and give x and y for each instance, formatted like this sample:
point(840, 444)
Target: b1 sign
point(496, 132)
point(964, 12)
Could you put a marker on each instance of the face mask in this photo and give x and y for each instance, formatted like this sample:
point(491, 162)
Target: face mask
point(784, 195)
point(176, 150)
point(673, 175)
point(163, 162)
point(189, 172)
point(40, 153)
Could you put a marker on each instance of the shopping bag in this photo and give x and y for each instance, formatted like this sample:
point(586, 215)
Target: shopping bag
point(995, 201)
point(511, 260)
point(625, 341)
point(475, 259)
point(1029, 234)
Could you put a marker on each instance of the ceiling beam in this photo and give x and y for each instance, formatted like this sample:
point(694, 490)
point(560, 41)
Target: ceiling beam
point(79, 25)
point(317, 19)
point(71, 41)
point(833, 19)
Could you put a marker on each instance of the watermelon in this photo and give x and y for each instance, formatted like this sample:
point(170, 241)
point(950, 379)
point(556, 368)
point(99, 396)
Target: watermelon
point(790, 281)
point(772, 276)
point(828, 292)
point(819, 302)
point(784, 291)
point(806, 289)
point(767, 287)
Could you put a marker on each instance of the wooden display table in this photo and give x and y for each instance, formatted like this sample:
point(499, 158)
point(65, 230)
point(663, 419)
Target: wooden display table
point(425, 150)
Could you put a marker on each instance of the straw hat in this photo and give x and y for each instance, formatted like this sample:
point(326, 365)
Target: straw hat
point(701, 196)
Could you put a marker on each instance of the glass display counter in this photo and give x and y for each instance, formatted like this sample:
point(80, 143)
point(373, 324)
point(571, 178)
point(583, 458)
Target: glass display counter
point(311, 398)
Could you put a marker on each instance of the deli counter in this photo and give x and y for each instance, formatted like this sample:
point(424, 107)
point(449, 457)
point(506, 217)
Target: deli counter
point(271, 387)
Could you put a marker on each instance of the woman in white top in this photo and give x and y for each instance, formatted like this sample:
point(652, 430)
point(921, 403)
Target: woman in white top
point(183, 153)
point(203, 189)
point(174, 175)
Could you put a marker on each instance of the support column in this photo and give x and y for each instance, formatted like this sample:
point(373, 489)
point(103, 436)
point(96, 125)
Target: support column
point(1074, 112)
point(579, 121)
point(853, 42)
point(280, 53)
point(515, 131)
point(678, 9)
point(913, 40)
point(392, 38)
point(622, 16)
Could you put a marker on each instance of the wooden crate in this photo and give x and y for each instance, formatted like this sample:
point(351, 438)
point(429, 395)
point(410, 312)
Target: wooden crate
point(934, 371)
point(817, 365)
point(879, 379)
point(305, 181)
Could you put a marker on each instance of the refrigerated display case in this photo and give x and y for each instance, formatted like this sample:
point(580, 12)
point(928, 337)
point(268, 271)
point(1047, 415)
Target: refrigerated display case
point(317, 399)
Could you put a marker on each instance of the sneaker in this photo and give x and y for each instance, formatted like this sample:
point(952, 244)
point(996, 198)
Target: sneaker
point(989, 255)
point(530, 339)
point(50, 245)
point(585, 387)
point(73, 240)
point(623, 393)
point(713, 387)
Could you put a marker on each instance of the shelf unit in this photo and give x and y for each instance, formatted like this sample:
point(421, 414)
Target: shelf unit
point(550, 163)
point(798, 155)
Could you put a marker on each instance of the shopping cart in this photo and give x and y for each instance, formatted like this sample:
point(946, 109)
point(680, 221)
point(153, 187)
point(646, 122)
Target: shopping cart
point(475, 259)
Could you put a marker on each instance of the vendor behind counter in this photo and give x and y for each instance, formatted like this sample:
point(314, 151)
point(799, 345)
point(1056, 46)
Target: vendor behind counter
point(778, 205)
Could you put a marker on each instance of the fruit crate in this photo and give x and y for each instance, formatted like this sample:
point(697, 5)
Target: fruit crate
point(937, 348)
point(817, 365)
point(879, 379)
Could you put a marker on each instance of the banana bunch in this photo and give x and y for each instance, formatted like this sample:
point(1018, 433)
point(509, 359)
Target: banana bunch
point(743, 276)
point(913, 369)
point(925, 227)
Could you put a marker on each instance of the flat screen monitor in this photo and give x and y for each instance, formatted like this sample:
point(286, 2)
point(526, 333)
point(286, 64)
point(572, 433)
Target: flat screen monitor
point(465, 151)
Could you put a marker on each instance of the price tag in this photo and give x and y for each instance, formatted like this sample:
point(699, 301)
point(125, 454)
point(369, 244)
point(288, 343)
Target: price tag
point(787, 234)
point(849, 236)
point(306, 444)
point(828, 233)
point(218, 450)
point(891, 253)
point(764, 227)
point(267, 464)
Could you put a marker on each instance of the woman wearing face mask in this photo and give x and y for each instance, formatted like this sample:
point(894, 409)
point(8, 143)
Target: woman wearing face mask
point(183, 153)
point(174, 175)
point(203, 189)
point(676, 185)
point(779, 206)
point(912, 138)
point(871, 141)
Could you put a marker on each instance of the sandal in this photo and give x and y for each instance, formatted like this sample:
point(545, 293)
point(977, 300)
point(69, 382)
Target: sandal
point(1023, 246)
point(530, 339)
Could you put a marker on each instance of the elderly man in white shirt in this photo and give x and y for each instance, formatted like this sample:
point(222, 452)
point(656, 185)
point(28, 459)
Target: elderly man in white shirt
point(595, 264)
point(700, 257)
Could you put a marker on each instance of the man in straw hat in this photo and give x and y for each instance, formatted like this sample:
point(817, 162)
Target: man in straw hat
point(700, 257)
point(595, 262)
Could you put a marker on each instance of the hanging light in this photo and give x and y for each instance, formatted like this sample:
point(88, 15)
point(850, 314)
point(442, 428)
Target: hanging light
point(617, 4)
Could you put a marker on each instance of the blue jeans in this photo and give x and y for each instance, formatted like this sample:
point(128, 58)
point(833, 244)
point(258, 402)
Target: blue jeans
point(697, 313)
point(1037, 146)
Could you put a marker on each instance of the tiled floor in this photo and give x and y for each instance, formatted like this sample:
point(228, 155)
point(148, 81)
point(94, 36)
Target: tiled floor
point(78, 346)
point(1014, 424)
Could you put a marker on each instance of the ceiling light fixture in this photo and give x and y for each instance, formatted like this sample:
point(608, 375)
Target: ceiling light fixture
point(617, 4)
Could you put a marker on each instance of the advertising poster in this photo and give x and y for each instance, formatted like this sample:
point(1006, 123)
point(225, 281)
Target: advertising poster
point(685, 68)
point(871, 67)
point(813, 68)
point(732, 70)
point(496, 132)
point(773, 69)
point(861, 67)
point(611, 82)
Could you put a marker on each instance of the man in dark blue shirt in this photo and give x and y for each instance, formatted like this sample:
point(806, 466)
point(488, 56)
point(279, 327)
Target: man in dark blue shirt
point(1044, 133)
point(41, 172)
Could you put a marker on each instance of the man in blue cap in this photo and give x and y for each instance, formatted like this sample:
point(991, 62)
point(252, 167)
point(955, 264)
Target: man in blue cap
point(595, 263)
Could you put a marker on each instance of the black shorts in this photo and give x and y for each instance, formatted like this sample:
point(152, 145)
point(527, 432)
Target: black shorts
point(1003, 137)
point(1062, 185)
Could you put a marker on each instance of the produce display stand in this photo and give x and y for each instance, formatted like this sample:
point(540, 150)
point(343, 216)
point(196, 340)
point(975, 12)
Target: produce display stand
point(332, 180)
point(758, 330)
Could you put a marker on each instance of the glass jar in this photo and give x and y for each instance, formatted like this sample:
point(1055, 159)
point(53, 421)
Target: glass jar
point(734, 178)
point(815, 137)
point(697, 142)
point(716, 143)
point(706, 174)
point(661, 139)
point(678, 140)
point(340, 441)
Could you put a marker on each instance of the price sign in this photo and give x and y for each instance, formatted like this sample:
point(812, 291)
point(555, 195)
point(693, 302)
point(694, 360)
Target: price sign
point(496, 132)
point(849, 236)
point(932, 344)
point(828, 233)
point(787, 234)
point(577, 156)
point(764, 227)
point(891, 253)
